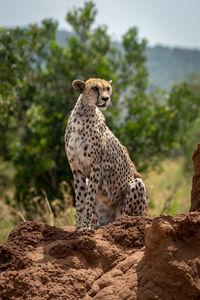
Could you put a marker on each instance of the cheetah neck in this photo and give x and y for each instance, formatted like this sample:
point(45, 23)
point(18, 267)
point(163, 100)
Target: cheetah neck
point(83, 107)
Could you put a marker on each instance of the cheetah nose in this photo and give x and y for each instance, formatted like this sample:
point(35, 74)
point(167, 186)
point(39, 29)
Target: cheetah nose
point(105, 98)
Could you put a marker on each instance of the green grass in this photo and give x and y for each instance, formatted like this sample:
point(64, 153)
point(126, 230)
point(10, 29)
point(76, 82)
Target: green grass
point(169, 188)
point(7, 220)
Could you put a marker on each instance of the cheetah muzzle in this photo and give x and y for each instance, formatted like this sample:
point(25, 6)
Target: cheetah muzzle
point(106, 182)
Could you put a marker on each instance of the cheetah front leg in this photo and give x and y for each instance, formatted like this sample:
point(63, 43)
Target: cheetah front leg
point(92, 188)
point(80, 194)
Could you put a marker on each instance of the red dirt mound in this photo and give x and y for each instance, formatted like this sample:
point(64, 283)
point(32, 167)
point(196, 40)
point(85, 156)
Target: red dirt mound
point(132, 258)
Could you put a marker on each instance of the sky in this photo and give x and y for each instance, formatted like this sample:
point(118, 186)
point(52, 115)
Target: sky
point(174, 23)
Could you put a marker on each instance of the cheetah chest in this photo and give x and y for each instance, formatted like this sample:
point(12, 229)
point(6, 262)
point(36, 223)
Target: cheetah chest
point(76, 152)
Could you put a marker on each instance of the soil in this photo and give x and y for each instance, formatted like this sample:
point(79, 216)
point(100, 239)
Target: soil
point(132, 258)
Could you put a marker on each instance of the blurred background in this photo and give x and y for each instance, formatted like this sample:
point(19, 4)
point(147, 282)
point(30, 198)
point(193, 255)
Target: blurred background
point(150, 50)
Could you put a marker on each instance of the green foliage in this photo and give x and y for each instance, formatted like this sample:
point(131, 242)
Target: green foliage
point(31, 115)
point(191, 134)
point(88, 51)
point(36, 98)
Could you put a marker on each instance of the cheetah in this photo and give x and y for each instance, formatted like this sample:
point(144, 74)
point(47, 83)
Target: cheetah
point(106, 182)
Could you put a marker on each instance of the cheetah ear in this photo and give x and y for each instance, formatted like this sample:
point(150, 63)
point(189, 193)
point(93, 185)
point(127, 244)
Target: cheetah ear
point(78, 85)
point(110, 81)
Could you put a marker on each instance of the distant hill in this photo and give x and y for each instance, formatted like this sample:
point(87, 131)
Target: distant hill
point(165, 65)
point(61, 36)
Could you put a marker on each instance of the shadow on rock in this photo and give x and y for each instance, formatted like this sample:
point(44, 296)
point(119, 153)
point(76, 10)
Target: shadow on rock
point(170, 268)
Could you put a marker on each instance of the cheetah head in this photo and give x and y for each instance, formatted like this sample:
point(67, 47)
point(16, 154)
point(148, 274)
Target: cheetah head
point(97, 91)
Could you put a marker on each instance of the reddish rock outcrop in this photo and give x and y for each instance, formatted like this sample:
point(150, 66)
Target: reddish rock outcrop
point(133, 258)
point(171, 265)
point(43, 262)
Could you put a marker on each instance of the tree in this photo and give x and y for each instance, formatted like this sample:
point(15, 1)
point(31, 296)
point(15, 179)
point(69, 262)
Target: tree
point(184, 100)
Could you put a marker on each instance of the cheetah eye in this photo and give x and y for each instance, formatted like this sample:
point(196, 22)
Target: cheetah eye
point(108, 88)
point(95, 89)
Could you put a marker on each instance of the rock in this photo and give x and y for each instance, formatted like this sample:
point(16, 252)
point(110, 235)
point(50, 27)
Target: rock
point(171, 265)
point(39, 261)
point(195, 193)
point(132, 258)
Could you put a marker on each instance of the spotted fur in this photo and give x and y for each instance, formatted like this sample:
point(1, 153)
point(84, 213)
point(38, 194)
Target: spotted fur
point(106, 182)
